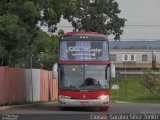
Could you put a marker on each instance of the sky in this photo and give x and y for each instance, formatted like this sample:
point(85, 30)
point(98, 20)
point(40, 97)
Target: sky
point(143, 20)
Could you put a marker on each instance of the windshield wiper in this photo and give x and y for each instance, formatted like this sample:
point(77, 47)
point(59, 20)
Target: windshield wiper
point(70, 88)
point(90, 87)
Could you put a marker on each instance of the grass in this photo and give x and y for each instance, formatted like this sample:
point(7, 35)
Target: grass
point(131, 90)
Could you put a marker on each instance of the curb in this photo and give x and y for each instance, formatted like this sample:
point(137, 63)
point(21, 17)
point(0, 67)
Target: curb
point(2, 108)
point(14, 106)
point(122, 102)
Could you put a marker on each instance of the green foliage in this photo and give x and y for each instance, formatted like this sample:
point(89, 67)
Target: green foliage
point(45, 51)
point(60, 32)
point(3, 54)
point(151, 82)
point(29, 14)
point(99, 16)
point(13, 39)
point(52, 10)
point(20, 36)
point(136, 92)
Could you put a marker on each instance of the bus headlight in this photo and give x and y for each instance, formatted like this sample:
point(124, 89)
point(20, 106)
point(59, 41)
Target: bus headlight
point(64, 97)
point(104, 97)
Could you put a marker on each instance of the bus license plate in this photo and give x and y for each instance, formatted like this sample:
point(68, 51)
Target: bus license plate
point(84, 103)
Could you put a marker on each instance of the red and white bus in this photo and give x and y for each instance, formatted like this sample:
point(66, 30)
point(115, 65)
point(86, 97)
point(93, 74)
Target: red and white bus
point(84, 70)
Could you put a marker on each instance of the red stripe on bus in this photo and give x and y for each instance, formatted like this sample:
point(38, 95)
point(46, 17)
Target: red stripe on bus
point(84, 95)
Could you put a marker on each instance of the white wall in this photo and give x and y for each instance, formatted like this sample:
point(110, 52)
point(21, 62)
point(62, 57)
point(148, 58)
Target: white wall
point(138, 55)
point(33, 84)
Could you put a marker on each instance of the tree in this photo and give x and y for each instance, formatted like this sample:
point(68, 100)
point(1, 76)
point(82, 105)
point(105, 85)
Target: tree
point(151, 82)
point(2, 55)
point(14, 39)
point(20, 34)
point(44, 49)
point(52, 10)
point(98, 16)
point(18, 25)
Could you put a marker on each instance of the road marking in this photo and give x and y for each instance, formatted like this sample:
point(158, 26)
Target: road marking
point(122, 102)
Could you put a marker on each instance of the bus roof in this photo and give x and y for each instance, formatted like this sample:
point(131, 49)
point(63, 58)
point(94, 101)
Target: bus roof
point(84, 36)
point(76, 33)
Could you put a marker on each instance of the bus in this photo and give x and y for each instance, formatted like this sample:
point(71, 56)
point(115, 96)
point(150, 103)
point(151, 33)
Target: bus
point(84, 70)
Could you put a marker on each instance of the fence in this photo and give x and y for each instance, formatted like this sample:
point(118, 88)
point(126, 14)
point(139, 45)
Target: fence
point(26, 85)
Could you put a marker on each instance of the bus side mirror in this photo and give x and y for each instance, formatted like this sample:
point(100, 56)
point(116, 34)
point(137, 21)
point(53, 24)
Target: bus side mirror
point(55, 71)
point(113, 71)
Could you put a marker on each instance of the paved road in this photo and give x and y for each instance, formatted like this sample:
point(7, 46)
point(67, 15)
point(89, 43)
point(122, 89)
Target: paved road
point(50, 111)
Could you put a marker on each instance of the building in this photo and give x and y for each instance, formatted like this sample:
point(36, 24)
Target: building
point(132, 57)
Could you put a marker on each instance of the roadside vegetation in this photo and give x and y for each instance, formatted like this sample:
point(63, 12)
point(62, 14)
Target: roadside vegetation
point(143, 89)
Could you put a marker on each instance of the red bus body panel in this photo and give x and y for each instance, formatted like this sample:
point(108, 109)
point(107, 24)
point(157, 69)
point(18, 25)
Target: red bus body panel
point(81, 94)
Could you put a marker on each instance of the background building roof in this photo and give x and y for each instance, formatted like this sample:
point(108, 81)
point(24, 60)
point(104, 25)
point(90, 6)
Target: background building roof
point(134, 44)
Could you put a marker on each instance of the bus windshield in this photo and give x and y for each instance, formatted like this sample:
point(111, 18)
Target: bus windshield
point(84, 50)
point(83, 77)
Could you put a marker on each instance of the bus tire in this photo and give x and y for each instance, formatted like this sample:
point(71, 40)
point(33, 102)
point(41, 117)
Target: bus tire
point(103, 108)
point(61, 108)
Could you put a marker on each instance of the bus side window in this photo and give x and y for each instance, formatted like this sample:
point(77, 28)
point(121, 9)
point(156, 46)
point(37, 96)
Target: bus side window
point(106, 72)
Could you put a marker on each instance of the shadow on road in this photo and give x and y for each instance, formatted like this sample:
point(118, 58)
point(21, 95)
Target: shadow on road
point(80, 109)
point(55, 107)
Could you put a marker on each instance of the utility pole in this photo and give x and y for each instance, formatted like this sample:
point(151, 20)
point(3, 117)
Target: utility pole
point(31, 65)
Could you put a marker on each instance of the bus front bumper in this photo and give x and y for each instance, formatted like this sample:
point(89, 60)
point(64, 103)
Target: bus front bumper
point(83, 102)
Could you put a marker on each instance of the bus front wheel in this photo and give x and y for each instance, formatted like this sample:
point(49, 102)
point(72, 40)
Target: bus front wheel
point(103, 108)
point(62, 108)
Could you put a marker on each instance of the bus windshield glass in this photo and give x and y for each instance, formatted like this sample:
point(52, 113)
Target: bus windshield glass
point(84, 50)
point(83, 77)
